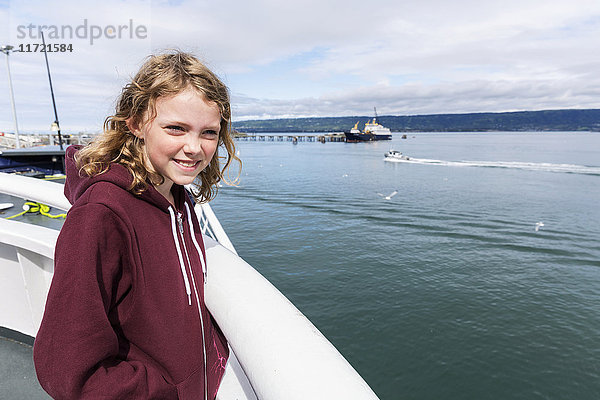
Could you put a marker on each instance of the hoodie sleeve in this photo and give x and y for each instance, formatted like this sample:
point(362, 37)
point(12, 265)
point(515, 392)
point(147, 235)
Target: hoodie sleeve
point(77, 351)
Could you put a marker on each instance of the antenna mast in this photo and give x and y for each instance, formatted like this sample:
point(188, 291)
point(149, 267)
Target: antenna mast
point(60, 142)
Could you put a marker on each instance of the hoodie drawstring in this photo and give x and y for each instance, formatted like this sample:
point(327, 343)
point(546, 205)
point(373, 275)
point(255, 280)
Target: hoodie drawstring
point(189, 216)
point(188, 290)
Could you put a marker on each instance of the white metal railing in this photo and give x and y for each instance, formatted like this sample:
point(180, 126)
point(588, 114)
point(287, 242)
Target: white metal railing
point(277, 353)
point(210, 225)
point(281, 352)
point(9, 140)
point(45, 192)
point(51, 193)
point(27, 261)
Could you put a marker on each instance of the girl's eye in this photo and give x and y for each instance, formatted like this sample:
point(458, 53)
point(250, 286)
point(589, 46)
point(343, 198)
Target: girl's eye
point(211, 133)
point(175, 128)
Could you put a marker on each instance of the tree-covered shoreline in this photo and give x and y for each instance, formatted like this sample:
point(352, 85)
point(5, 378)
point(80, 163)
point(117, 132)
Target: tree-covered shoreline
point(547, 120)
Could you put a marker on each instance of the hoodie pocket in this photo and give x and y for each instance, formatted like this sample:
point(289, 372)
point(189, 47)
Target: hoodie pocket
point(192, 387)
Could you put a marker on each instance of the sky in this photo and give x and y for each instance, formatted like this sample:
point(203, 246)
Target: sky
point(287, 59)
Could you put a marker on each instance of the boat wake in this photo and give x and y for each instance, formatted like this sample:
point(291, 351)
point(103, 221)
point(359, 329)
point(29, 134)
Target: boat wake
point(548, 167)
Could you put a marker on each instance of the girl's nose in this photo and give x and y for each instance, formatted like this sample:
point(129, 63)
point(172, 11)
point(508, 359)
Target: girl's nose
point(192, 145)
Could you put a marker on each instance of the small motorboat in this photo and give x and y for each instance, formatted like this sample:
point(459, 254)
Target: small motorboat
point(394, 155)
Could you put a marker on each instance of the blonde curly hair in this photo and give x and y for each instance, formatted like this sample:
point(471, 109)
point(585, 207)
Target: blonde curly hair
point(161, 75)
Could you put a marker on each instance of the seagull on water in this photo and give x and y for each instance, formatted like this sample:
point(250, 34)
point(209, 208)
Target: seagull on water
point(538, 225)
point(389, 196)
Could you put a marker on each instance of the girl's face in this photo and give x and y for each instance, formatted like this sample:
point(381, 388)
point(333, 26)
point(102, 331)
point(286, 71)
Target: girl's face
point(182, 139)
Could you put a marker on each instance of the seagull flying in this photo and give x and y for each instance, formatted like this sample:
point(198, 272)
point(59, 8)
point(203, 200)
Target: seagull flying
point(538, 225)
point(388, 197)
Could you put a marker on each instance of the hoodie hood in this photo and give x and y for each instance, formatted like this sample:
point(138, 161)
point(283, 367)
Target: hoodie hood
point(78, 183)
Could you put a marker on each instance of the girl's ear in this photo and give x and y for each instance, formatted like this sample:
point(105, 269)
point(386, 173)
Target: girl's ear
point(134, 127)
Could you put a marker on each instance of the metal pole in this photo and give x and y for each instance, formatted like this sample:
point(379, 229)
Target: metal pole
point(60, 143)
point(6, 50)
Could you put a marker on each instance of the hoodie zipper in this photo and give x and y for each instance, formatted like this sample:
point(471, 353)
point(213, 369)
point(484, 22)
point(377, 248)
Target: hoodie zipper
point(180, 224)
point(181, 231)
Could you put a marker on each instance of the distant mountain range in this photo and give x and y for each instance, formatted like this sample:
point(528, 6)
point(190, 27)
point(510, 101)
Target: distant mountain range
point(548, 120)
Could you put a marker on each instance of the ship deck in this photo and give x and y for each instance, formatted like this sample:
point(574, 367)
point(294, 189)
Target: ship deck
point(17, 373)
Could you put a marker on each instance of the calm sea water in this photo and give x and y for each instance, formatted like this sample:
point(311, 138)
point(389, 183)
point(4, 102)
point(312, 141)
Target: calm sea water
point(445, 291)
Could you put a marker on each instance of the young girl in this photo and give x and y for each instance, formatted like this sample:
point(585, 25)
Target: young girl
point(125, 317)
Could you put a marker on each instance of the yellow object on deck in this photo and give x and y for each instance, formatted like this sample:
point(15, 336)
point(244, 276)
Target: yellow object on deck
point(35, 207)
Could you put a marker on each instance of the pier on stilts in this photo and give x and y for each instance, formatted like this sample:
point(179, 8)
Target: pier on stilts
point(266, 137)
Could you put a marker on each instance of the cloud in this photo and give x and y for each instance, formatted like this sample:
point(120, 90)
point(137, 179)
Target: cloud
point(309, 58)
point(509, 42)
point(412, 99)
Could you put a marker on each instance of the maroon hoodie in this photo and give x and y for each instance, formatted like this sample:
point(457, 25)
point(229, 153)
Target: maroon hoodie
point(121, 319)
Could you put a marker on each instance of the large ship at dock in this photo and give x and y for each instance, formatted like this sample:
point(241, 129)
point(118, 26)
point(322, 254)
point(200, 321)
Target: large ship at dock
point(372, 131)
